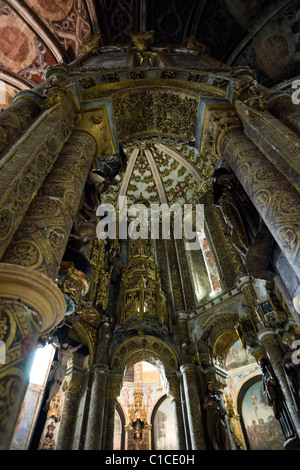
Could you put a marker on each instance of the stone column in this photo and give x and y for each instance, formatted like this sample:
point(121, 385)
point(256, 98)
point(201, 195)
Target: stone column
point(35, 253)
point(30, 305)
point(100, 384)
point(286, 111)
point(174, 391)
point(193, 406)
point(278, 143)
point(16, 119)
point(41, 239)
point(25, 165)
point(275, 198)
point(95, 426)
point(115, 386)
point(73, 387)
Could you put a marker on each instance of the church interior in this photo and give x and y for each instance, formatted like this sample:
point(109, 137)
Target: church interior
point(150, 225)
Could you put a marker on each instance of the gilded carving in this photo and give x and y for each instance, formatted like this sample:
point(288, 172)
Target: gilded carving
point(96, 124)
point(159, 112)
point(27, 165)
point(247, 162)
point(51, 210)
point(15, 120)
point(54, 92)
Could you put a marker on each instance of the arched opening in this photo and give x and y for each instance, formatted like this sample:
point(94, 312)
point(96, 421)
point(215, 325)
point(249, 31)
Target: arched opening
point(163, 425)
point(144, 412)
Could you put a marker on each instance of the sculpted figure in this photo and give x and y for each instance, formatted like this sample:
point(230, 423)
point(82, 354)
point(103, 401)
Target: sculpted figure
point(275, 398)
point(215, 419)
point(247, 230)
point(60, 368)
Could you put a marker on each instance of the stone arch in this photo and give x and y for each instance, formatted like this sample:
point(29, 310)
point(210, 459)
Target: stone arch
point(144, 348)
point(221, 333)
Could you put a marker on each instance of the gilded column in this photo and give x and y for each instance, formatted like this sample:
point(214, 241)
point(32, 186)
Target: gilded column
point(30, 305)
point(33, 256)
point(16, 119)
point(41, 239)
point(275, 198)
point(26, 164)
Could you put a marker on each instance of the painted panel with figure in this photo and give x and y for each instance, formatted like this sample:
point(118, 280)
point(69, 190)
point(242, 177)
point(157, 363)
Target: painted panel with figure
point(263, 430)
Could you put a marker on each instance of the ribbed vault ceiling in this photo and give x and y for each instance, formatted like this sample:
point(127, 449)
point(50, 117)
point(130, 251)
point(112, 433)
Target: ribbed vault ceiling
point(161, 172)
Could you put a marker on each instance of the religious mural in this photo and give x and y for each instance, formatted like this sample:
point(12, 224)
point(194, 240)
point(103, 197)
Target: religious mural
point(263, 430)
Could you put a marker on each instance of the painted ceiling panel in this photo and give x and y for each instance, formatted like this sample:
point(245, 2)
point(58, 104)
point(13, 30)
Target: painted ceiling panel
point(37, 33)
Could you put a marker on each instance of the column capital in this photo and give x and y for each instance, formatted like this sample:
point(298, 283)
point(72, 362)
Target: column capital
point(219, 121)
point(96, 124)
point(35, 290)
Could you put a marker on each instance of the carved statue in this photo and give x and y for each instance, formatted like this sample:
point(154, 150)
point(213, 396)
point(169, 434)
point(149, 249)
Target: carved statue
point(60, 368)
point(215, 419)
point(247, 231)
point(275, 399)
point(84, 228)
point(292, 367)
point(48, 442)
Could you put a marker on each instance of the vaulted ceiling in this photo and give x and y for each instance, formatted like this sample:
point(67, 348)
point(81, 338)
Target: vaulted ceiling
point(35, 34)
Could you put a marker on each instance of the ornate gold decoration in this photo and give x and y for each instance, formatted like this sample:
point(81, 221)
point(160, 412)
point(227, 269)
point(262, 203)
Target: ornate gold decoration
point(140, 348)
point(40, 241)
point(137, 410)
point(93, 42)
point(248, 90)
point(143, 41)
point(54, 92)
point(96, 124)
point(196, 46)
point(29, 287)
point(25, 166)
point(72, 282)
point(101, 275)
point(141, 285)
point(144, 113)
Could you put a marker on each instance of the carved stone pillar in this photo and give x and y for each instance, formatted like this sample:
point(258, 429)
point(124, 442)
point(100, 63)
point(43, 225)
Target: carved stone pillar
point(95, 433)
point(73, 386)
point(279, 144)
point(24, 166)
point(174, 391)
point(275, 198)
point(16, 119)
point(30, 305)
point(41, 239)
point(95, 426)
point(113, 393)
point(194, 414)
point(35, 253)
point(286, 111)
